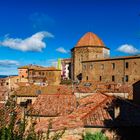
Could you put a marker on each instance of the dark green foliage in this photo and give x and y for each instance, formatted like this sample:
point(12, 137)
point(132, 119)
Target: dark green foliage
point(95, 136)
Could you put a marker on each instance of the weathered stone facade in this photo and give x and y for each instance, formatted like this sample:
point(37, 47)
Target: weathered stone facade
point(50, 76)
point(118, 70)
point(39, 74)
point(91, 62)
point(89, 47)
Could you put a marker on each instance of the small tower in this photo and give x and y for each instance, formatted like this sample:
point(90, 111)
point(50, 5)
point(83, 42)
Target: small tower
point(89, 47)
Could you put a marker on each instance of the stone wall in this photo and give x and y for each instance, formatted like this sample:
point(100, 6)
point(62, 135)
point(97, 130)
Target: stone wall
point(80, 54)
point(105, 70)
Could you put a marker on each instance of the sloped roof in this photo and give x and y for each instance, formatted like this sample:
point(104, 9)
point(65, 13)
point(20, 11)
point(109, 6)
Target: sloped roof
point(77, 118)
point(95, 111)
point(32, 90)
point(36, 67)
point(114, 58)
point(90, 39)
point(3, 93)
point(53, 105)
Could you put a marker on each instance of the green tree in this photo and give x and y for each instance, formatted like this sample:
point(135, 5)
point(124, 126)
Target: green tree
point(95, 136)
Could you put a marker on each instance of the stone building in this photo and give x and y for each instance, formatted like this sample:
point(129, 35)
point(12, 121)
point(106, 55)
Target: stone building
point(89, 47)
point(91, 62)
point(38, 74)
point(123, 70)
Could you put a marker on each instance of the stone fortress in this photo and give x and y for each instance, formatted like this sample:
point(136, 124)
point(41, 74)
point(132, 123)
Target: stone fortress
point(91, 61)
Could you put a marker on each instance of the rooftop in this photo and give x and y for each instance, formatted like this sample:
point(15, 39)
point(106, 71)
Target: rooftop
point(96, 110)
point(90, 39)
point(36, 67)
point(32, 90)
point(52, 105)
point(114, 58)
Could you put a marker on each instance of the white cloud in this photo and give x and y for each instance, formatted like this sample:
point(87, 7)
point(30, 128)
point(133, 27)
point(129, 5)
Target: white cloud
point(8, 63)
point(126, 48)
point(33, 43)
point(61, 50)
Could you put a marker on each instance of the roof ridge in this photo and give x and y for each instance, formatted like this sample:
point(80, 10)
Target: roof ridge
point(107, 97)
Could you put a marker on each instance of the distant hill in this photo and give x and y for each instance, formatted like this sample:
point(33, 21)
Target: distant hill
point(4, 76)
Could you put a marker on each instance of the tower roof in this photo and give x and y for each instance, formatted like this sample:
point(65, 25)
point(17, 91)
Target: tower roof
point(90, 39)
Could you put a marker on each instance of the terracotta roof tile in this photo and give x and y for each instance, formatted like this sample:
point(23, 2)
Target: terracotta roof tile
point(53, 105)
point(36, 67)
point(113, 58)
point(31, 90)
point(3, 93)
point(93, 111)
point(90, 39)
point(79, 115)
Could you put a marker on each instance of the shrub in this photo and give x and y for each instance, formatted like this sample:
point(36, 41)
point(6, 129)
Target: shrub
point(95, 136)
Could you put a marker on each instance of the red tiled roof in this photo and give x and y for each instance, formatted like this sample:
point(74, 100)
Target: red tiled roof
point(36, 67)
point(7, 111)
point(31, 90)
point(53, 105)
point(114, 58)
point(3, 93)
point(90, 39)
point(94, 111)
point(79, 116)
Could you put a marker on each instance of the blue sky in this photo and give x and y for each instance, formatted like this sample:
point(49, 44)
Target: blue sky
point(40, 31)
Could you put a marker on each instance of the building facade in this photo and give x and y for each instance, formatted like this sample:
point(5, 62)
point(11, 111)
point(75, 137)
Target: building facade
point(39, 74)
point(89, 47)
point(66, 69)
point(121, 70)
point(91, 62)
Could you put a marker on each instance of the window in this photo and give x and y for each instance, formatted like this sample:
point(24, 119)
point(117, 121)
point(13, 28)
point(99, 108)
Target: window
point(113, 65)
point(102, 66)
point(100, 78)
point(91, 66)
point(113, 78)
point(22, 76)
point(84, 67)
point(126, 78)
point(81, 57)
point(87, 78)
point(126, 65)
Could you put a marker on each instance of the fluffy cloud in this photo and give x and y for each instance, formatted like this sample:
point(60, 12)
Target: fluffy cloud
point(8, 63)
point(61, 50)
point(126, 48)
point(33, 43)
